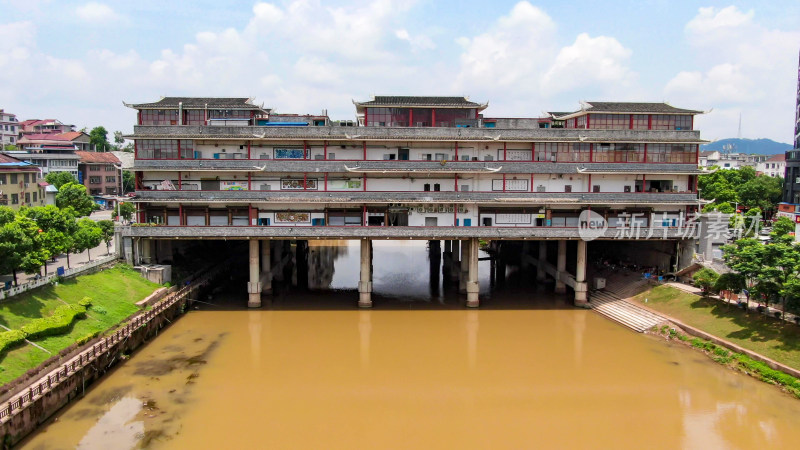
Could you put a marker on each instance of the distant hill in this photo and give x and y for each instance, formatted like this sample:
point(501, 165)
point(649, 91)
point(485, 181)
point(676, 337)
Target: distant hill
point(750, 146)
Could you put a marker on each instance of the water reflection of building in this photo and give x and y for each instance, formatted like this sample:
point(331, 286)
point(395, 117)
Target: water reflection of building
point(321, 257)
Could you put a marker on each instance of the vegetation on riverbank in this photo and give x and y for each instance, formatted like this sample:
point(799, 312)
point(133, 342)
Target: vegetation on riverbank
point(736, 361)
point(775, 339)
point(114, 294)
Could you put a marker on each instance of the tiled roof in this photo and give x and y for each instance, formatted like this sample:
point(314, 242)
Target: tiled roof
point(70, 136)
point(396, 100)
point(97, 157)
point(199, 102)
point(634, 107)
point(777, 158)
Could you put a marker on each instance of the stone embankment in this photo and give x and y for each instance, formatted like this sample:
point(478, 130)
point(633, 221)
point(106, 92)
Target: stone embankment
point(33, 405)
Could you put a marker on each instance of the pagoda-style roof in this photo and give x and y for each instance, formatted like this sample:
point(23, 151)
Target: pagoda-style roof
point(413, 101)
point(198, 103)
point(626, 108)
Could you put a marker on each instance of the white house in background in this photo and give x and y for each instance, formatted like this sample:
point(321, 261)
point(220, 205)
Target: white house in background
point(774, 166)
point(9, 128)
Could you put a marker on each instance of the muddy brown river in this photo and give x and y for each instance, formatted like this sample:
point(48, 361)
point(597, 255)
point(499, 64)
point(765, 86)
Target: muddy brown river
point(417, 371)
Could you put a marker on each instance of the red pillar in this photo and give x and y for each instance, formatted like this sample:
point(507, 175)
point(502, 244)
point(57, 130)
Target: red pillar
point(645, 152)
point(249, 215)
point(326, 181)
point(533, 150)
point(179, 150)
point(649, 121)
point(410, 117)
point(505, 151)
point(180, 182)
point(325, 149)
point(456, 181)
point(305, 180)
point(305, 150)
point(135, 150)
point(456, 151)
point(365, 150)
point(591, 152)
point(504, 182)
point(249, 181)
point(697, 154)
point(248, 149)
point(531, 182)
point(630, 125)
point(365, 182)
point(180, 214)
point(589, 188)
point(587, 121)
point(364, 216)
point(433, 117)
point(366, 117)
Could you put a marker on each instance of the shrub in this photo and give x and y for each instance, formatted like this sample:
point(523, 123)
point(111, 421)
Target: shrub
point(99, 310)
point(58, 323)
point(85, 302)
point(10, 339)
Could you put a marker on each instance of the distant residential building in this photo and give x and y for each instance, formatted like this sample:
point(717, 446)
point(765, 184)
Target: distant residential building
point(9, 128)
point(44, 126)
point(98, 173)
point(20, 183)
point(774, 166)
point(53, 152)
point(791, 184)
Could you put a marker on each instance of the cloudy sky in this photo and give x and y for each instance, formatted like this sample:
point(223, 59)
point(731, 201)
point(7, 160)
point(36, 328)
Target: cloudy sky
point(77, 61)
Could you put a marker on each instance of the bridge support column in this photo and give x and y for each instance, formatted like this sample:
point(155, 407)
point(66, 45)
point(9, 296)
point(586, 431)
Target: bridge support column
point(266, 267)
point(561, 267)
point(365, 285)
point(581, 286)
point(540, 274)
point(472, 275)
point(254, 285)
point(465, 255)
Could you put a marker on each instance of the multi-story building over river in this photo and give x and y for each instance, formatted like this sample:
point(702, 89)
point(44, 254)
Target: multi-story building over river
point(433, 168)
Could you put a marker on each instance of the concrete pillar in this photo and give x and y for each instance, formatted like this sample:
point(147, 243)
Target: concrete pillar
point(465, 256)
point(472, 275)
point(147, 251)
point(365, 285)
point(561, 267)
point(581, 286)
point(266, 268)
point(540, 274)
point(254, 286)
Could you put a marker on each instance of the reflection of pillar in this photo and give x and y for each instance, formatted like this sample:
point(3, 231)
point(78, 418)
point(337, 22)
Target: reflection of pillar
point(301, 263)
point(561, 267)
point(435, 259)
point(580, 276)
point(540, 274)
point(365, 285)
point(266, 268)
point(364, 332)
point(472, 337)
point(465, 255)
point(254, 286)
point(472, 275)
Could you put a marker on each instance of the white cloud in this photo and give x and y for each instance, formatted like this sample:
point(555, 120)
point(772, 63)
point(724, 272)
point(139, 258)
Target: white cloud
point(596, 61)
point(738, 59)
point(96, 12)
point(417, 42)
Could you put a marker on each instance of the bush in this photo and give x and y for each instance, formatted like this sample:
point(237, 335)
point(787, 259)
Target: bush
point(58, 323)
point(10, 339)
point(85, 302)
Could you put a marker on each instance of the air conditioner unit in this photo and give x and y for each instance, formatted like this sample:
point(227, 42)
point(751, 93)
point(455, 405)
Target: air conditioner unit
point(797, 180)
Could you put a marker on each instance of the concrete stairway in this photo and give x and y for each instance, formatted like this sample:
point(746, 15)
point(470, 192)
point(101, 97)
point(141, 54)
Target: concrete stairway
point(610, 302)
point(624, 312)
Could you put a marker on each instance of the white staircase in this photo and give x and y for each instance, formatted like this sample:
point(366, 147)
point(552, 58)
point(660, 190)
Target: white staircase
point(610, 303)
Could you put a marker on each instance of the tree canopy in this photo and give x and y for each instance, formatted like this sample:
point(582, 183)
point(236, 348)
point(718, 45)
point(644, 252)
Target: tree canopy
point(99, 137)
point(59, 179)
point(743, 187)
point(126, 210)
point(73, 195)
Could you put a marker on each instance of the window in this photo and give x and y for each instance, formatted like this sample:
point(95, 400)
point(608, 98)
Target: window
point(157, 149)
point(562, 152)
point(94, 180)
point(94, 168)
point(94, 191)
point(195, 117)
point(111, 179)
point(159, 117)
point(388, 117)
point(28, 197)
point(2, 178)
point(109, 168)
point(618, 153)
point(233, 114)
point(672, 153)
point(671, 122)
point(26, 178)
point(111, 191)
point(35, 197)
point(14, 178)
point(610, 121)
point(641, 121)
point(14, 199)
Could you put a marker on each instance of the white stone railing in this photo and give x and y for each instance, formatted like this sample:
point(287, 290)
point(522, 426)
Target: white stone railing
point(7, 293)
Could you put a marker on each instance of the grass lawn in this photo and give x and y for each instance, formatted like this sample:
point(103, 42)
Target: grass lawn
point(114, 293)
point(765, 335)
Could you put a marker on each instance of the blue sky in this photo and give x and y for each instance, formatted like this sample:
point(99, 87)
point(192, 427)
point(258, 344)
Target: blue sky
point(77, 60)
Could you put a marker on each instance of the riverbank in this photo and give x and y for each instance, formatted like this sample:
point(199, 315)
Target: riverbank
point(775, 339)
point(114, 293)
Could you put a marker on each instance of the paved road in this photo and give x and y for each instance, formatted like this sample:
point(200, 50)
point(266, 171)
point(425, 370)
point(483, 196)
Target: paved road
point(75, 260)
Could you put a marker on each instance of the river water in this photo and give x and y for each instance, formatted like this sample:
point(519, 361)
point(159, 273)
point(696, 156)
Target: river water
point(417, 371)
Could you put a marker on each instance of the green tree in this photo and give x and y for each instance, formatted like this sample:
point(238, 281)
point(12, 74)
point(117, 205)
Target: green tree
point(705, 278)
point(783, 226)
point(107, 227)
point(74, 195)
point(6, 215)
point(128, 181)
point(57, 228)
point(20, 247)
point(126, 210)
point(99, 137)
point(118, 139)
point(761, 192)
point(10, 147)
point(746, 257)
point(88, 236)
point(730, 281)
point(59, 179)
